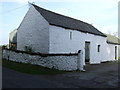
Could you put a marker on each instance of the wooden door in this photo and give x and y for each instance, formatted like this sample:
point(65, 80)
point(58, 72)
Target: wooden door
point(87, 51)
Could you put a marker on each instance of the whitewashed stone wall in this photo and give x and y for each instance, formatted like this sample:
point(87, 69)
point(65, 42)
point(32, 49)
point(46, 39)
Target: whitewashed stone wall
point(33, 32)
point(111, 52)
point(60, 62)
point(118, 50)
point(13, 36)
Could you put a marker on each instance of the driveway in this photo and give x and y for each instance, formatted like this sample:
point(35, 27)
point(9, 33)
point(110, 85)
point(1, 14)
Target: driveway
point(104, 75)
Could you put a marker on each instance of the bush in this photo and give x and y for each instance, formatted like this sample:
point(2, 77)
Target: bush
point(28, 48)
point(13, 47)
point(4, 46)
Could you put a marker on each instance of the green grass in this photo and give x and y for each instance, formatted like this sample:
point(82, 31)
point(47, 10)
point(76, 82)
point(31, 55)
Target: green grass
point(31, 69)
point(118, 58)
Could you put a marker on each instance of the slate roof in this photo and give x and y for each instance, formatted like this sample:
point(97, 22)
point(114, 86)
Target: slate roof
point(67, 22)
point(112, 39)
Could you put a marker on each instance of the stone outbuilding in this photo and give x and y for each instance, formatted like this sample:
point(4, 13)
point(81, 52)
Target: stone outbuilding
point(44, 31)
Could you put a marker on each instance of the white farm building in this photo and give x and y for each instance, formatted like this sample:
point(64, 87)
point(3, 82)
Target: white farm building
point(44, 31)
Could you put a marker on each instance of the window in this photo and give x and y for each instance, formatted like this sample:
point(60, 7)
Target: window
point(70, 35)
point(98, 48)
point(115, 52)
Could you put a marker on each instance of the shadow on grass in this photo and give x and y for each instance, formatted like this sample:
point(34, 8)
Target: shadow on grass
point(29, 68)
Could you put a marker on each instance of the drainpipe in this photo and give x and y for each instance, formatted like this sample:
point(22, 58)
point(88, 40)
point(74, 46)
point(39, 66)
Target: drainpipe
point(80, 61)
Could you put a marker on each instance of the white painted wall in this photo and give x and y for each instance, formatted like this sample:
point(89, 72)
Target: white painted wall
point(60, 43)
point(33, 32)
point(118, 50)
point(111, 52)
point(13, 36)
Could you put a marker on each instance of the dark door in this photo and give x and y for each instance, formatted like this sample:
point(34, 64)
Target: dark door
point(115, 52)
point(87, 51)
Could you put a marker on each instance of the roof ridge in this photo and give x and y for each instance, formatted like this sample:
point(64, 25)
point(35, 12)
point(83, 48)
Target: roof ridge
point(67, 22)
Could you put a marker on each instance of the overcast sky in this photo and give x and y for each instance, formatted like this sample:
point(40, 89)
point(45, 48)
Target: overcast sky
point(103, 14)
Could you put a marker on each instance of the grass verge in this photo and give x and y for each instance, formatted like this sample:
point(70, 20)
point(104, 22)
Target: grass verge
point(118, 58)
point(29, 68)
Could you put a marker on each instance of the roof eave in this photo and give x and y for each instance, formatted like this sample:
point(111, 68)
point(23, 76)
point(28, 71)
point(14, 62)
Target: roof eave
point(78, 30)
point(113, 43)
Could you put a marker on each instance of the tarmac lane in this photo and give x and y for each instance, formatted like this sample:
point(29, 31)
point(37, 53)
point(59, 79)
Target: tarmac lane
point(13, 79)
point(104, 75)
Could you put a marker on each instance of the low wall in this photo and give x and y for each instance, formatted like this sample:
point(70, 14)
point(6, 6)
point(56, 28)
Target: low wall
point(58, 61)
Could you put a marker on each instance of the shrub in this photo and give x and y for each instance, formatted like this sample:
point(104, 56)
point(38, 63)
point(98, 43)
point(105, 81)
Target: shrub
point(13, 47)
point(28, 48)
point(4, 47)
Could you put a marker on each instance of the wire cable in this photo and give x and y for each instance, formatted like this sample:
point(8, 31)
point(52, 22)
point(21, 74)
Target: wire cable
point(13, 9)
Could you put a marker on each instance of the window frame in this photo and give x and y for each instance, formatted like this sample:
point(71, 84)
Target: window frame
point(98, 48)
point(70, 35)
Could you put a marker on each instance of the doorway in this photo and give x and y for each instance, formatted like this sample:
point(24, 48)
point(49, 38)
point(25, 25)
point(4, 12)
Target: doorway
point(87, 51)
point(115, 52)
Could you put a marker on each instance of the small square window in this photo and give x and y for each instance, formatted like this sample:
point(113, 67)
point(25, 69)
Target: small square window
point(98, 48)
